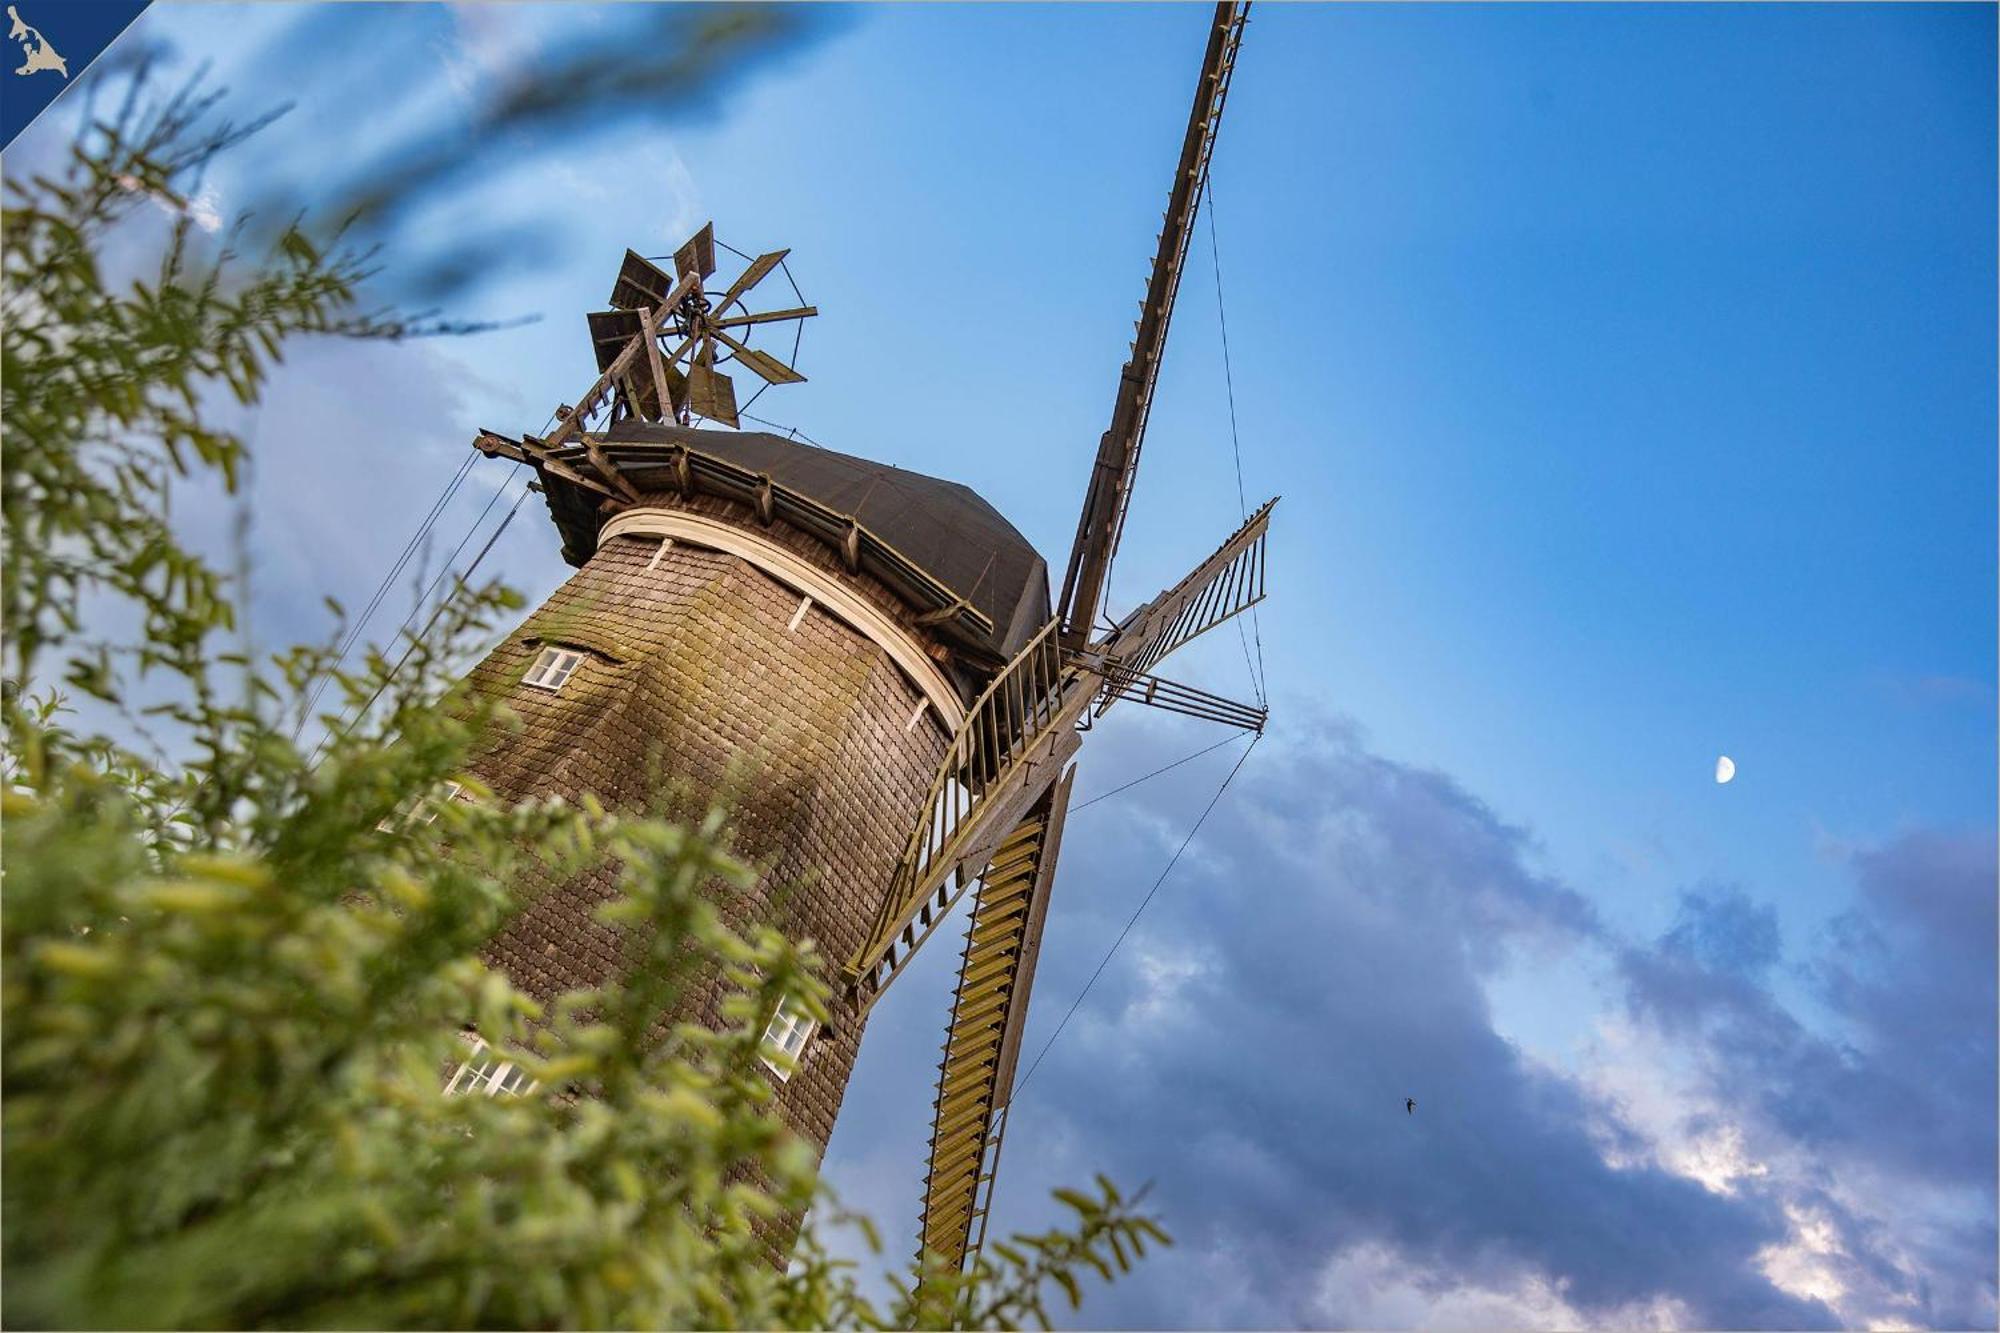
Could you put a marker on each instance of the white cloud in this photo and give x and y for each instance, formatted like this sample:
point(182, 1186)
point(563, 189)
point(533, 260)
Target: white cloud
point(1653, 1093)
point(1164, 977)
point(490, 44)
point(1670, 1171)
point(1808, 1264)
point(647, 179)
point(1849, 1234)
point(1372, 1286)
point(204, 208)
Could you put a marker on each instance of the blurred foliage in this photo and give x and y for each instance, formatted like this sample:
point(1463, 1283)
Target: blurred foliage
point(458, 98)
point(234, 980)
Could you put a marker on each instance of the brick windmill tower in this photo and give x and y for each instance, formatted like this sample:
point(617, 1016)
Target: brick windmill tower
point(864, 660)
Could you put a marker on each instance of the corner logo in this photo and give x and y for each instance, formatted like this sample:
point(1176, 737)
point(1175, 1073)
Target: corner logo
point(36, 53)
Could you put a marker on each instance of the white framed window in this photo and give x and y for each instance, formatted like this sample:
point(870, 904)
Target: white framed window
point(790, 1028)
point(428, 812)
point(554, 667)
point(487, 1073)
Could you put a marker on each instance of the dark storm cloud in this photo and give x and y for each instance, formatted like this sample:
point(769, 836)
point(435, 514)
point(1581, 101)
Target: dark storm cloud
point(1722, 929)
point(1251, 1048)
point(1910, 971)
point(1907, 1089)
point(1325, 949)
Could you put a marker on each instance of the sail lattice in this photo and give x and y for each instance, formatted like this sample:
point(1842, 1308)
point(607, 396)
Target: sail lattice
point(976, 1077)
point(1225, 585)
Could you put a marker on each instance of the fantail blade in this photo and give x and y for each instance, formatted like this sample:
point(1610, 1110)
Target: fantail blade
point(760, 269)
point(765, 317)
point(769, 367)
point(711, 394)
point(610, 330)
point(641, 283)
point(698, 255)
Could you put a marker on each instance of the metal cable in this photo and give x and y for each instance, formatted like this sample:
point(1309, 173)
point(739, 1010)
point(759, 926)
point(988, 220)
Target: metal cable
point(354, 631)
point(1229, 381)
point(1018, 1087)
point(445, 571)
point(793, 431)
point(1235, 445)
point(1185, 759)
point(359, 713)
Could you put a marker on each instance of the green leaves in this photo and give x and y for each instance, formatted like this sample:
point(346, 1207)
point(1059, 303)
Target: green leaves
point(104, 386)
point(1010, 1294)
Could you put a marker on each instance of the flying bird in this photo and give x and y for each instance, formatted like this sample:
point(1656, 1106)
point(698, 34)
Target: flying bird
point(1410, 1105)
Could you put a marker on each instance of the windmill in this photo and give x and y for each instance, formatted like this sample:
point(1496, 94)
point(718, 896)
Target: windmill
point(914, 714)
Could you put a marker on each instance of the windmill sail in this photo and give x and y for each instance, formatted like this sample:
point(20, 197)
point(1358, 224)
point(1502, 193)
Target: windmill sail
point(993, 815)
point(1102, 522)
point(1220, 588)
point(997, 804)
point(648, 305)
point(1020, 732)
point(988, 1011)
point(760, 268)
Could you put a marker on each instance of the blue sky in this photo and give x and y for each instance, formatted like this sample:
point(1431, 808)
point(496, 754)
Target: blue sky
point(1628, 375)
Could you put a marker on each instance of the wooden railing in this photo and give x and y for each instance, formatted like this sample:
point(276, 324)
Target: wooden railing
point(1013, 728)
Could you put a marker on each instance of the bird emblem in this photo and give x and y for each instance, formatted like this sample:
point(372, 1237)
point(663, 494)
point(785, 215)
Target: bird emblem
point(36, 53)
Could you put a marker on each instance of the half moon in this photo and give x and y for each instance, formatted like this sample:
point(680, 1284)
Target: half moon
point(1725, 769)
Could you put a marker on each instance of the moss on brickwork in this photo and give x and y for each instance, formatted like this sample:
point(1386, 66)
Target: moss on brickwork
point(696, 690)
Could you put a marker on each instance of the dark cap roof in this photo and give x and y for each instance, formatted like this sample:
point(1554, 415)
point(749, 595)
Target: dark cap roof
point(942, 528)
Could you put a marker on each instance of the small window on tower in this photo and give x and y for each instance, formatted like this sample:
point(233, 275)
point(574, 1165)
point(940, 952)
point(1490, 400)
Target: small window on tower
point(427, 813)
point(553, 668)
point(488, 1074)
point(789, 1029)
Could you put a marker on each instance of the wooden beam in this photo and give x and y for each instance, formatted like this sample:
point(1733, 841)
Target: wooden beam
point(494, 445)
point(621, 363)
point(650, 332)
point(561, 469)
point(767, 317)
point(944, 613)
point(606, 468)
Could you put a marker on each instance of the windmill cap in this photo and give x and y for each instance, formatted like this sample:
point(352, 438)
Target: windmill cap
point(947, 531)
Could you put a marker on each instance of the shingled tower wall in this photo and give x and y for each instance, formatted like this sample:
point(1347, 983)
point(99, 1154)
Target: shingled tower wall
point(701, 673)
point(707, 673)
